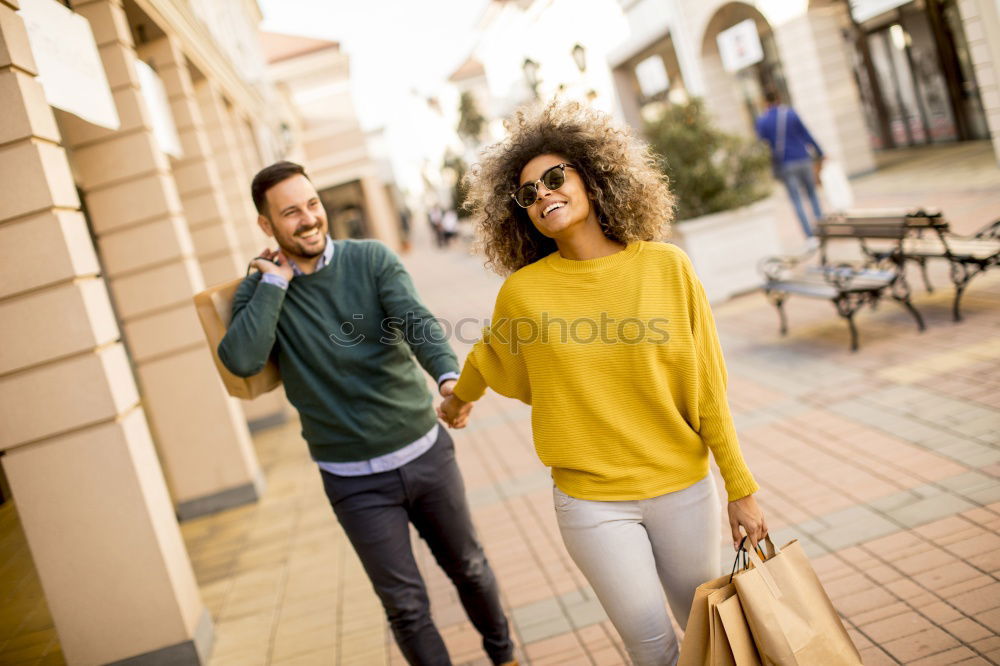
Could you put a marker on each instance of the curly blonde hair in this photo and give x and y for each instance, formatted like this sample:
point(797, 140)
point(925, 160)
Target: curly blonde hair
point(630, 193)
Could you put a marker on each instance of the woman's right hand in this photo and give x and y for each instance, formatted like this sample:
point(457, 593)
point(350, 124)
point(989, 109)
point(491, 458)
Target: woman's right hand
point(454, 411)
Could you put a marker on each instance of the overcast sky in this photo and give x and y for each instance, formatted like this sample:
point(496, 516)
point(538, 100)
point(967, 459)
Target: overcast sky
point(394, 45)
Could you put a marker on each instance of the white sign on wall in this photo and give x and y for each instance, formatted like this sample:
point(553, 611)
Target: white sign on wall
point(740, 46)
point(652, 75)
point(69, 66)
point(155, 97)
point(862, 10)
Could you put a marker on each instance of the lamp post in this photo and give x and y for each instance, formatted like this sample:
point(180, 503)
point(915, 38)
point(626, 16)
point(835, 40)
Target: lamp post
point(530, 68)
point(580, 57)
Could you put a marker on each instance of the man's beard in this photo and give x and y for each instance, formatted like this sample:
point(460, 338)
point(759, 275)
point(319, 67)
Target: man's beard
point(292, 247)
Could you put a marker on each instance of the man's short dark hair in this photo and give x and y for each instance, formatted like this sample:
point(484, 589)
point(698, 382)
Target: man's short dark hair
point(270, 176)
point(771, 96)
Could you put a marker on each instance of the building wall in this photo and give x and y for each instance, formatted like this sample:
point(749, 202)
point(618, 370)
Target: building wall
point(115, 421)
point(334, 149)
point(981, 20)
point(813, 56)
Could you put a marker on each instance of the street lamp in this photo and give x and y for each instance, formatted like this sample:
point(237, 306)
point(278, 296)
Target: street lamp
point(530, 68)
point(580, 57)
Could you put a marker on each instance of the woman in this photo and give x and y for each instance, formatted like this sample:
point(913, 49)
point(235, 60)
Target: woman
point(607, 334)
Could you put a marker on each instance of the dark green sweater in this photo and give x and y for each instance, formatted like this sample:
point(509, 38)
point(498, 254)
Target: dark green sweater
point(343, 338)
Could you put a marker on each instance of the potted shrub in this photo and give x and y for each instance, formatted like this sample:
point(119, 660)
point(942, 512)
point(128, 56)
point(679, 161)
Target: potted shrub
point(724, 218)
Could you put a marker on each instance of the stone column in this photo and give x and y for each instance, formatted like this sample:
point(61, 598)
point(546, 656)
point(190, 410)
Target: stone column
point(271, 408)
point(79, 458)
point(236, 180)
point(817, 65)
point(383, 222)
point(149, 260)
point(723, 98)
point(981, 22)
point(248, 143)
point(213, 231)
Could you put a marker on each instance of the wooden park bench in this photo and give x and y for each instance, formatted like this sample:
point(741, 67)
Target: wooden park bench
point(928, 237)
point(849, 285)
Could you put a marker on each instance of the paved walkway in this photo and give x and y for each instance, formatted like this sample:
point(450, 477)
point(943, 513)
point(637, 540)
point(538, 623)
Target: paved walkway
point(884, 463)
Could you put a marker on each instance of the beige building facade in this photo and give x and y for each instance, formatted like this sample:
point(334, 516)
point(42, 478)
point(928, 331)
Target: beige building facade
point(312, 78)
point(866, 75)
point(113, 421)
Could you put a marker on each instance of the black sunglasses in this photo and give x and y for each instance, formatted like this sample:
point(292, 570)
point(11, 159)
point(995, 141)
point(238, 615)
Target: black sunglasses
point(552, 179)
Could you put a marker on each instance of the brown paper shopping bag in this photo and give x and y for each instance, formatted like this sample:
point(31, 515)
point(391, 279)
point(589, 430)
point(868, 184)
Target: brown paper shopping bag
point(792, 619)
point(696, 646)
point(729, 634)
point(717, 633)
point(215, 309)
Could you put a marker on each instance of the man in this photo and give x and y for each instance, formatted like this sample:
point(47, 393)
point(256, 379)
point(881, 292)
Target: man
point(790, 143)
point(343, 318)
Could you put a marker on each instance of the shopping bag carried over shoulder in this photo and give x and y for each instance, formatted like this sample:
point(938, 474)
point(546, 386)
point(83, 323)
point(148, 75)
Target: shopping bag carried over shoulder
point(790, 615)
point(215, 309)
point(717, 634)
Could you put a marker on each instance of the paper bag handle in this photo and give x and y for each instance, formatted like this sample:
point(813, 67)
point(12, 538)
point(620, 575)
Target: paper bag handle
point(741, 555)
point(758, 564)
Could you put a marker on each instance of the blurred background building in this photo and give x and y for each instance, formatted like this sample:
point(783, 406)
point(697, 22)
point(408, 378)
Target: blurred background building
point(312, 77)
point(867, 74)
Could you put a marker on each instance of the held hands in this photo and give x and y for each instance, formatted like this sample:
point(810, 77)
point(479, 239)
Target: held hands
point(274, 261)
point(453, 411)
point(745, 513)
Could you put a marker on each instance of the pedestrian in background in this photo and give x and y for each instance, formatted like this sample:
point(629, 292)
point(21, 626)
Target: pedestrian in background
point(606, 332)
point(795, 155)
point(449, 226)
point(435, 217)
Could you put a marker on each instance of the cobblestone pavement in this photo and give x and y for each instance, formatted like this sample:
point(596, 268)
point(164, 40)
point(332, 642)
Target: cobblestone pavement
point(884, 463)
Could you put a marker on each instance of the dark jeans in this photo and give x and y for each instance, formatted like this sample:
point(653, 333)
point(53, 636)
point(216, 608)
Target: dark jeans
point(375, 512)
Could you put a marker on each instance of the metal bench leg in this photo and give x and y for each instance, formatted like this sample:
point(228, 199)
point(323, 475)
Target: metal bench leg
point(960, 276)
point(854, 332)
point(901, 294)
point(779, 302)
point(847, 306)
point(923, 272)
point(906, 303)
point(956, 313)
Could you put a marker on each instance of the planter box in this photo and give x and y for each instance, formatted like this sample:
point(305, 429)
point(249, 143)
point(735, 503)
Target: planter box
point(726, 247)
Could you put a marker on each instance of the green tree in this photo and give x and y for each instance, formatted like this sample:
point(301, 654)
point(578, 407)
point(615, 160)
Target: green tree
point(471, 122)
point(709, 170)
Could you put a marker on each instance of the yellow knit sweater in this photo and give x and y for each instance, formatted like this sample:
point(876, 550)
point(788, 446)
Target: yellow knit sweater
point(619, 359)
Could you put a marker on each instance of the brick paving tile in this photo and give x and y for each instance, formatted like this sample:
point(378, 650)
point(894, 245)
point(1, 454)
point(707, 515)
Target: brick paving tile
point(940, 612)
point(966, 630)
point(608, 656)
point(889, 629)
point(954, 656)
point(978, 600)
point(552, 646)
point(926, 643)
point(990, 619)
point(875, 656)
point(880, 613)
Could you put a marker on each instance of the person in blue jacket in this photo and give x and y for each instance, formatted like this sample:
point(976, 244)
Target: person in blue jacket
point(793, 150)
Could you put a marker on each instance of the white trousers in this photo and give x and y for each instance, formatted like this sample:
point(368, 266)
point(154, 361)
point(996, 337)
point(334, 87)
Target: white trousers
point(632, 552)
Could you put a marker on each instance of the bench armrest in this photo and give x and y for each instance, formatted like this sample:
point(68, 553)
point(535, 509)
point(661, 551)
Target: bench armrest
point(989, 231)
